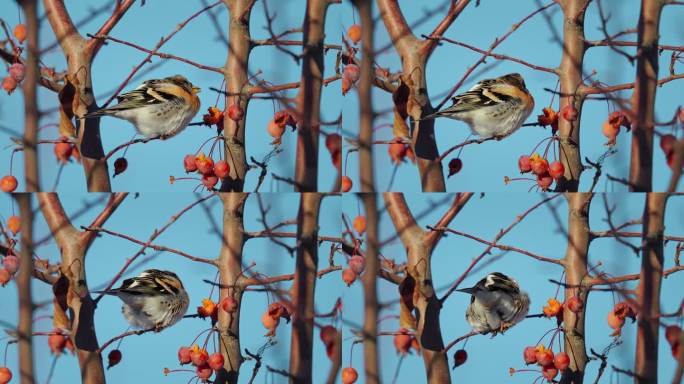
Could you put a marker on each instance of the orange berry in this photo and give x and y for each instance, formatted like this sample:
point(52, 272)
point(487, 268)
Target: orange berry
point(207, 308)
point(574, 304)
point(5, 375)
point(397, 150)
point(57, 342)
point(198, 356)
point(63, 150)
point(8, 183)
point(360, 224)
point(530, 355)
point(269, 321)
point(544, 356)
point(14, 224)
point(9, 84)
point(349, 375)
point(275, 130)
point(5, 277)
point(354, 33)
point(348, 276)
point(20, 32)
point(346, 85)
point(346, 184)
point(614, 321)
point(610, 131)
point(556, 170)
point(205, 165)
point(221, 169)
point(402, 341)
point(554, 306)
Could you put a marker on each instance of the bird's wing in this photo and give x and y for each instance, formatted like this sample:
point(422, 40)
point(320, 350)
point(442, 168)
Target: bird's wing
point(145, 284)
point(151, 92)
point(497, 281)
point(483, 94)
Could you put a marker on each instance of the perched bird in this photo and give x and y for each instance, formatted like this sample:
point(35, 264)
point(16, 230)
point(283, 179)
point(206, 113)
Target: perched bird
point(158, 108)
point(154, 299)
point(492, 108)
point(496, 304)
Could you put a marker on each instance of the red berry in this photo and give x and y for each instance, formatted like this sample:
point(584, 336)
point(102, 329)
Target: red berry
point(120, 166)
point(402, 341)
point(216, 361)
point(556, 170)
point(544, 357)
point(56, 342)
point(229, 304)
point(333, 142)
point(540, 166)
point(235, 113)
point(348, 276)
point(667, 143)
point(221, 169)
point(17, 71)
point(14, 224)
point(9, 84)
point(113, 358)
point(544, 181)
point(63, 150)
point(455, 166)
point(205, 165)
point(190, 163)
point(397, 150)
point(5, 277)
point(349, 375)
point(672, 333)
point(357, 264)
point(561, 360)
point(8, 183)
point(569, 113)
point(354, 33)
point(346, 184)
point(20, 32)
point(574, 304)
point(184, 355)
point(530, 355)
point(199, 357)
point(204, 372)
point(209, 181)
point(328, 334)
point(524, 164)
point(5, 375)
point(460, 357)
point(549, 372)
point(11, 263)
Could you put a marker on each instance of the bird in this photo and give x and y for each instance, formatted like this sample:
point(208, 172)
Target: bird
point(157, 108)
point(155, 299)
point(496, 304)
point(493, 107)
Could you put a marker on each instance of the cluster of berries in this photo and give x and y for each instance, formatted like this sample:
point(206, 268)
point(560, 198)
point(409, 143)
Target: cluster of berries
point(17, 71)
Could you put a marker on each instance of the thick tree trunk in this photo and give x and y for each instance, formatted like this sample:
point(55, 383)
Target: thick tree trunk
point(23, 279)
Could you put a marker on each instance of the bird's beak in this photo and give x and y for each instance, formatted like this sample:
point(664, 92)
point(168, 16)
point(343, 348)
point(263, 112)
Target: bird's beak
point(196, 90)
point(469, 291)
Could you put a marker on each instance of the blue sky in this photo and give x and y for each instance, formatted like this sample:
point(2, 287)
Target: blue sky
point(151, 164)
point(485, 165)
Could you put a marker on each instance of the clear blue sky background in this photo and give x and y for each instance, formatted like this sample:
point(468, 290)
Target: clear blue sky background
point(151, 164)
point(485, 165)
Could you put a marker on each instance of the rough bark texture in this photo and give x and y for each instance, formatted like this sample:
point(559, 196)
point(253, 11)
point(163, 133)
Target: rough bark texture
point(304, 288)
point(648, 292)
point(73, 252)
point(31, 114)
point(236, 76)
point(23, 279)
point(230, 271)
point(365, 100)
point(370, 291)
point(643, 99)
point(414, 60)
point(570, 73)
point(576, 259)
point(306, 169)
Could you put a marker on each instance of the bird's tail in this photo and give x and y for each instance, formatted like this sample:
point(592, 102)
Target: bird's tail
point(113, 292)
point(98, 113)
point(435, 115)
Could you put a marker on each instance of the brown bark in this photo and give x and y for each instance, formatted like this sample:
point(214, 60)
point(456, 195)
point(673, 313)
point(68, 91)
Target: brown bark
point(365, 97)
point(570, 73)
point(576, 260)
point(306, 169)
point(230, 272)
point(236, 76)
point(370, 290)
point(23, 279)
point(419, 245)
point(31, 114)
point(648, 292)
point(304, 288)
point(643, 99)
point(79, 54)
